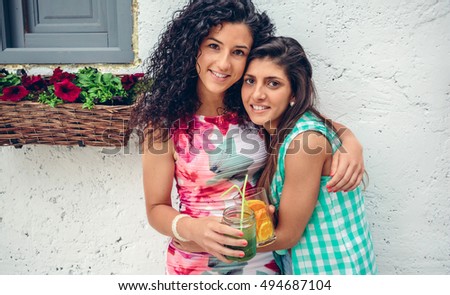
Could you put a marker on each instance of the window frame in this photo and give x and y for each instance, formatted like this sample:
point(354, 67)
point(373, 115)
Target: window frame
point(120, 11)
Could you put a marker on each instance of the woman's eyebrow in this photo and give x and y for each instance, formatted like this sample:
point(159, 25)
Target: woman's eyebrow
point(221, 43)
point(267, 78)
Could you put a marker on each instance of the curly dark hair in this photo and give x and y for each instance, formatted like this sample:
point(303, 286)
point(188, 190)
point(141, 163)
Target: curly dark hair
point(171, 68)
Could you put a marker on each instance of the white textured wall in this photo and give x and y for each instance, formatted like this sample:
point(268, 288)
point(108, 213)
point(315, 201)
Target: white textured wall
point(381, 67)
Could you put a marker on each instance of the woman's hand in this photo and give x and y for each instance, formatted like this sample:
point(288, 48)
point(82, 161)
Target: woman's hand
point(211, 235)
point(347, 167)
point(190, 246)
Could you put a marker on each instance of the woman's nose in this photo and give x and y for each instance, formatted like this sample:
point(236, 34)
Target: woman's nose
point(258, 93)
point(224, 62)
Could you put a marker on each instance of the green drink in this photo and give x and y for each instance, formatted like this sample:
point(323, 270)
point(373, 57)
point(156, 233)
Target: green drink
point(232, 217)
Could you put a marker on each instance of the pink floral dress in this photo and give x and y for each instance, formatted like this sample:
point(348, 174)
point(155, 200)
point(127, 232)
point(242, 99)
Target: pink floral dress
point(215, 153)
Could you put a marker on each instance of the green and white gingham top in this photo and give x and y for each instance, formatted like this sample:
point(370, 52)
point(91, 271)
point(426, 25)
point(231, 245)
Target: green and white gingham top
point(337, 239)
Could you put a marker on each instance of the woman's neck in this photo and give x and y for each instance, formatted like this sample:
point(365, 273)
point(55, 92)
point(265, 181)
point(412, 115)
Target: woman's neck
point(211, 105)
point(210, 110)
point(270, 128)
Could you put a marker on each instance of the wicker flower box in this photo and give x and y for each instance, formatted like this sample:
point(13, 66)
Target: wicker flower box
point(88, 108)
point(26, 122)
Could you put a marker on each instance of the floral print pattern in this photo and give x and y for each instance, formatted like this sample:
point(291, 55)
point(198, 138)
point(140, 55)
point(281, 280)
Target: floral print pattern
point(213, 154)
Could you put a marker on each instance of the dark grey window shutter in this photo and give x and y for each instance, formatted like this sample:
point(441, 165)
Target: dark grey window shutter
point(2, 27)
point(66, 31)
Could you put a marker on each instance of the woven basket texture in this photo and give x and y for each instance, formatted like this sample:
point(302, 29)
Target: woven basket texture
point(28, 122)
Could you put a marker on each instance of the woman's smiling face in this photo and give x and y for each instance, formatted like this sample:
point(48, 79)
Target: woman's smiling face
point(222, 57)
point(266, 93)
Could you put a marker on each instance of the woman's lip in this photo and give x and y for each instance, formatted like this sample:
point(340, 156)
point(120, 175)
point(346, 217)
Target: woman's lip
point(260, 109)
point(219, 76)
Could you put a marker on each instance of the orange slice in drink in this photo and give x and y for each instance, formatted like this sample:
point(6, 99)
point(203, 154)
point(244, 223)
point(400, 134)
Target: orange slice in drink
point(259, 208)
point(260, 216)
point(255, 205)
point(264, 227)
point(265, 231)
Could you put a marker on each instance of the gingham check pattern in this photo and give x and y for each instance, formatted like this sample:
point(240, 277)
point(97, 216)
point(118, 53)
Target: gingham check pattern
point(337, 239)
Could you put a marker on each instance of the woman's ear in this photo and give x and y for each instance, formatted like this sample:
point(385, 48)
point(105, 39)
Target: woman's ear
point(292, 101)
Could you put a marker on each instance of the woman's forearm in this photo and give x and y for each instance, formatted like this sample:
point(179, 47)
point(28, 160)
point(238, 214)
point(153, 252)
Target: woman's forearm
point(344, 133)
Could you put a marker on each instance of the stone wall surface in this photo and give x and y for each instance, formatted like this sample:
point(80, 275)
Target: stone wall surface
point(381, 68)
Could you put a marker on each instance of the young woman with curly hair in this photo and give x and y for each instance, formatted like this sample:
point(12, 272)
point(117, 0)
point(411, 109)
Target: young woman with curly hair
point(196, 132)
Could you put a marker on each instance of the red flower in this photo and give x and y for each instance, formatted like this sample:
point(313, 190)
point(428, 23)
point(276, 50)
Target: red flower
point(14, 93)
point(129, 80)
point(33, 82)
point(67, 91)
point(59, 75)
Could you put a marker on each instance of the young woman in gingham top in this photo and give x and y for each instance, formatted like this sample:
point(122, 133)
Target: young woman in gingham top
point(325, 231)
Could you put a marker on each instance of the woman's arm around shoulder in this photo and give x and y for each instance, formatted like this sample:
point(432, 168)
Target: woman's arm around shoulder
point(347, 168)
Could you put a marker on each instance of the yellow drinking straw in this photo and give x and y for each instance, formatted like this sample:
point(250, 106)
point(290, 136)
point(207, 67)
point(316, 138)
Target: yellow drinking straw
point(243, 199)
point(242, 193)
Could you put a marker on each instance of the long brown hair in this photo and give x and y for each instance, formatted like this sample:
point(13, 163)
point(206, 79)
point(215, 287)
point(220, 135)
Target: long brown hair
point(288, 54)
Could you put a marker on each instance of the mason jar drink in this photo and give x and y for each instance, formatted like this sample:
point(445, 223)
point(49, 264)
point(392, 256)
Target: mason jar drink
point(232, 217)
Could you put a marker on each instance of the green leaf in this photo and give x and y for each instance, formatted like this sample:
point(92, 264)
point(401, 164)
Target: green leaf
point(49, 98)
point(107, 78)
point(10, 80)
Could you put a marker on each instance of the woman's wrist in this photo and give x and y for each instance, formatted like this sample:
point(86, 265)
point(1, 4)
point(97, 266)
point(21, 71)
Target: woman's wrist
point(176, 227)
